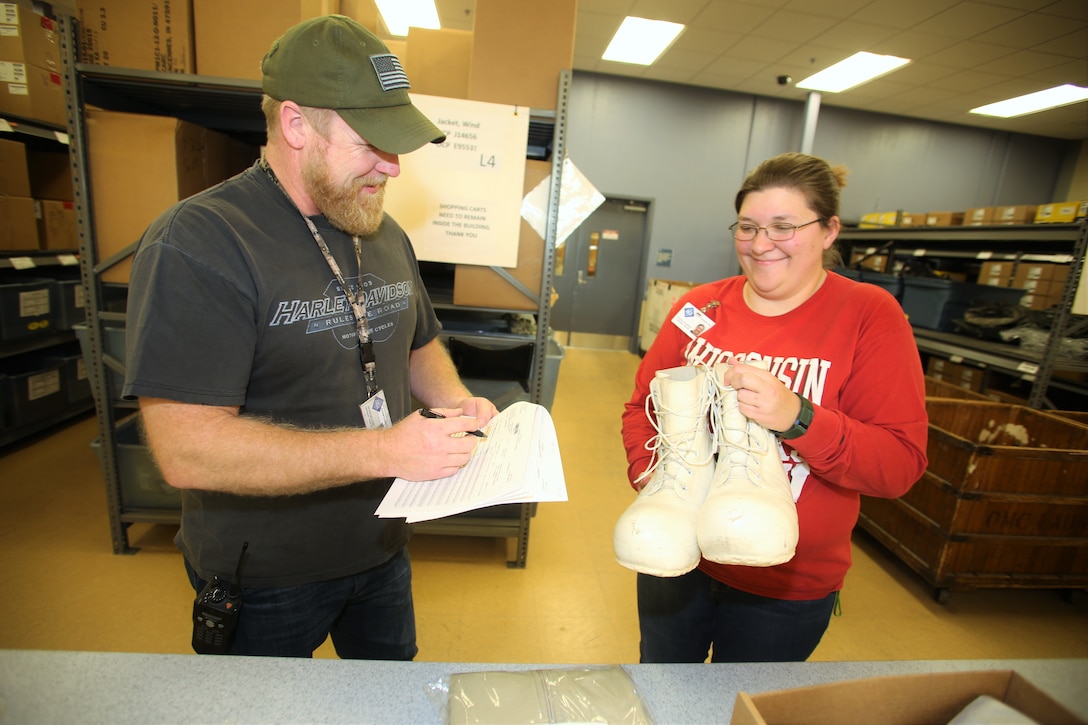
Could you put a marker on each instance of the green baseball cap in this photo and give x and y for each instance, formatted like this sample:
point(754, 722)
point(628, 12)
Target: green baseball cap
point(334, 62)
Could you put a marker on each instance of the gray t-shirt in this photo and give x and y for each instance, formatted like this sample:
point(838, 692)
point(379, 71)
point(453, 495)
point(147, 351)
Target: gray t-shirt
point(232, 303)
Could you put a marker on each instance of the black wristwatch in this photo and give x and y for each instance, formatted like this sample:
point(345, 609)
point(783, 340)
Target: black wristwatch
point(804, 420)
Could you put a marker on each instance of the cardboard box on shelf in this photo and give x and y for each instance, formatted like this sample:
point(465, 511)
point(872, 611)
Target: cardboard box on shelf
point(364, 12)
point(867, 260)
point(28, 37)
point(661, 295)
point(438, 61)
point(56, 224)
point(1062, 212)
point(33, 93)
point(1040, 271)
point(14, 173)
point(155, 35)
point(478, 286)
point(899, 700)
point(944, 219)
point(879, 220)
point(1022, 214)
point(998, 274)
point(50, 174)
point(518, 50)
point(978, 216)
point(18, 224)
point(232, 38)
point(958, 374)
point(912, 219)
point(1036, 301)
point(1035, 286)
point(141, 165)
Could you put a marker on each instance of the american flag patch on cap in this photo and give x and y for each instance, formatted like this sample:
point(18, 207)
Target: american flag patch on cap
point(391, 74)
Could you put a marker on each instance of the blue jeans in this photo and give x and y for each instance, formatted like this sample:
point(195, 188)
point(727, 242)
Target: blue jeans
point(680, 618)
point(369, 615)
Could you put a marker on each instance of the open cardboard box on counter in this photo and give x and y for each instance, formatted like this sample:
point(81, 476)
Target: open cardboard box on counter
point(900, 700)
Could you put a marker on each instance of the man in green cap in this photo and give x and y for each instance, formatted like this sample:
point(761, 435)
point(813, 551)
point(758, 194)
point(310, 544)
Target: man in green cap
point(277, 331)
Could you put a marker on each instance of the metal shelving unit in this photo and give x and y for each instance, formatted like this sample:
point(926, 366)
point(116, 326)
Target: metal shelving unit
point(233, 106)
point(1056, 243)
point(37, 135)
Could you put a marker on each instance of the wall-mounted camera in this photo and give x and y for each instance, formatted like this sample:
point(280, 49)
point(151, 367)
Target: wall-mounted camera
point(784, 80)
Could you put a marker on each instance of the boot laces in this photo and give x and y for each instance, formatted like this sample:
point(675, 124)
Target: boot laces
point(749, 441)
point(675, 452)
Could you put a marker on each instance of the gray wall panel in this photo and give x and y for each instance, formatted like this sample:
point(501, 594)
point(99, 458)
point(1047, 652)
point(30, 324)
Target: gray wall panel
point(681, 148)
point(687, 149)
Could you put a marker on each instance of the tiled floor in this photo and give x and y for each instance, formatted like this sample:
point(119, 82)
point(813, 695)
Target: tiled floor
point(65, 589)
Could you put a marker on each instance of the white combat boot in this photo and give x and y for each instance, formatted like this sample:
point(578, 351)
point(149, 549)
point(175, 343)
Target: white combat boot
point(749, 516)
point(656, 534)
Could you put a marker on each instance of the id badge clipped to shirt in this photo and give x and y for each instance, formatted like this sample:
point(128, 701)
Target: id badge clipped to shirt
point(376, 412)
point(692, 321)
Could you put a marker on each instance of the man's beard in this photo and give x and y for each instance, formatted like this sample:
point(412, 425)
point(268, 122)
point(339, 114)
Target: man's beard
point(345, 205)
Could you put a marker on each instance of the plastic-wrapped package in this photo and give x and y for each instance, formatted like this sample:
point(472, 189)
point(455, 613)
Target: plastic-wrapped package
point(599, 694)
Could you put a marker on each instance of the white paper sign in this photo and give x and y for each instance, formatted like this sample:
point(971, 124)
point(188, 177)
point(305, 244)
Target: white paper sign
point(578, 198)
point(460, 201)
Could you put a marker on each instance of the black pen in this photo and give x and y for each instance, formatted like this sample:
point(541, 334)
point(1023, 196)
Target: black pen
point(428, 413)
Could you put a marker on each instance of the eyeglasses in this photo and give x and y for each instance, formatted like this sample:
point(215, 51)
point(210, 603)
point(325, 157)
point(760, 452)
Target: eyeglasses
point(777, 232)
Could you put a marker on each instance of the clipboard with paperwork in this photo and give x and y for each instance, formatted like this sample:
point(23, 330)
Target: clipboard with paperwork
point(518, 462)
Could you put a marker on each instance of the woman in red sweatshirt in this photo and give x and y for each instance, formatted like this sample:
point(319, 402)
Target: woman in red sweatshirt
point(843, 346)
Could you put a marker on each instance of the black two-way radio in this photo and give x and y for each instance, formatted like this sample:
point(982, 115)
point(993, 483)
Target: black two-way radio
point(215, 612)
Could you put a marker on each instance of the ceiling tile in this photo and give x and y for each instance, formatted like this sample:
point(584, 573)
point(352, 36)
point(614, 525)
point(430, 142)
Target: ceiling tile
point(1022, 62)
point(1071, 45)
point(674, 11)
point(1030, 30)
point(1075, 9)
point(965, 52)
point(738, 17)
point(898, 14)
point(967, 19)
point(969, 54)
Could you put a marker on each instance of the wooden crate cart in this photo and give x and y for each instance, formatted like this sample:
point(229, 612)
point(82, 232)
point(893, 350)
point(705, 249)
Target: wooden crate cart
point(1003, 503)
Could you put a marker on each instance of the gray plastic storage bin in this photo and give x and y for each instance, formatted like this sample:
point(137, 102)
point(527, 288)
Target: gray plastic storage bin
point(113, 345)
point(142, 486)
point(551, 372)
point(26, 308)
point(69, 303)
point(891, 282)
point(934, 303)
point(31, 389)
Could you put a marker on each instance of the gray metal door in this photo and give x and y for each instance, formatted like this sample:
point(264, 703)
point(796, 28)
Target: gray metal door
point(598, 271)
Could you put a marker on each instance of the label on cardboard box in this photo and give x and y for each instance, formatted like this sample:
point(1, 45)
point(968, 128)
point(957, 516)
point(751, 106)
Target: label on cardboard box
point(997, 274)
point(978, 216)
point(151, 35)
point(11, 72)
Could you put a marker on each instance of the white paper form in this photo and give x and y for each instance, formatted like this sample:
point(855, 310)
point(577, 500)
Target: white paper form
point(518, 462)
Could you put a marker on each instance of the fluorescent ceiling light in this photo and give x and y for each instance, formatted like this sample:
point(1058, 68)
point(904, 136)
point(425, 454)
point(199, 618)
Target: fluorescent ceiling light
point(399, 15)
point(857, 69)
point(641, 41)
point(1034, 102)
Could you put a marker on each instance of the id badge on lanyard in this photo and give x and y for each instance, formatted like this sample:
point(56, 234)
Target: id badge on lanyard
point(374, 409)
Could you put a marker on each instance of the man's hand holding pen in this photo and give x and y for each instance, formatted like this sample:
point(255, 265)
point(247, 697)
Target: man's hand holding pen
point(428, 413)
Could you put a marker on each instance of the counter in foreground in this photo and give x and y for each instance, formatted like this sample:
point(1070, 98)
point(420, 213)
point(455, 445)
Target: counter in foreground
point(88, 687)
